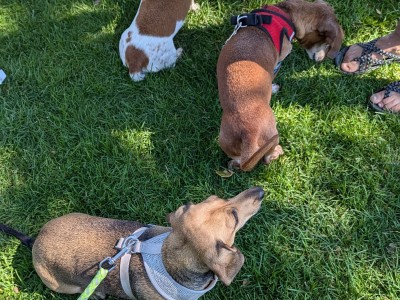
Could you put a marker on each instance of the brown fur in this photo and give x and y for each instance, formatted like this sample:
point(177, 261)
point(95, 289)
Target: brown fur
point(319, 24)
point(129, 38)
point(136, 59)
point(245, 73)
point(68, 249)
point(154, 10)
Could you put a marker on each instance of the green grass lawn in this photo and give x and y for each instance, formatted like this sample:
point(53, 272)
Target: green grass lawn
point(77, 135)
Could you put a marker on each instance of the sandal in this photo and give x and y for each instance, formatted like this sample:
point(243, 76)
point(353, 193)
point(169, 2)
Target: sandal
point(367, 63)
point(392, 87)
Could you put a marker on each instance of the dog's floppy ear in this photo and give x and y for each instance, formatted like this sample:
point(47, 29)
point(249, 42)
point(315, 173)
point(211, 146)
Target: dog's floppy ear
point(334, 36)
point(227, 262)
point(173, 217)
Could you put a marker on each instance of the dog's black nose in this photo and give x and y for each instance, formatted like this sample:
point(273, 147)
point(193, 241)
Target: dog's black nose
point(260, 192)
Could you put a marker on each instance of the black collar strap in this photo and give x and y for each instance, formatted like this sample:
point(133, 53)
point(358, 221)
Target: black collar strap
point(251, 19)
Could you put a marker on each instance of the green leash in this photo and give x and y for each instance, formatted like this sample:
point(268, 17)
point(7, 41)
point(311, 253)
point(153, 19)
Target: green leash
point(100, 275)
point(102, 272)
point(125, 246)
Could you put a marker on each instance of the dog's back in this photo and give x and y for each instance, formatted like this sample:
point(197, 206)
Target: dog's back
point(147, 44)
point(65, 270)
point(245, 75)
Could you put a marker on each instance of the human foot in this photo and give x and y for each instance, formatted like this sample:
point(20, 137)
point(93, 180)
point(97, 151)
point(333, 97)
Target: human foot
point(388, 99)
point(362, 57)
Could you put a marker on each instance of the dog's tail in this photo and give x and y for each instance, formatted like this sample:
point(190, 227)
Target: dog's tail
point(25, 240)
point(250, 163)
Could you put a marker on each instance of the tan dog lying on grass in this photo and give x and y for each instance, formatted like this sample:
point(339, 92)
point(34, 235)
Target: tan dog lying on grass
point(247, 66)
point(181, 262)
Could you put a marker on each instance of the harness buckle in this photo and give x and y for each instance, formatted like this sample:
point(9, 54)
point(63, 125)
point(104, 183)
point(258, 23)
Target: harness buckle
point(129, 241)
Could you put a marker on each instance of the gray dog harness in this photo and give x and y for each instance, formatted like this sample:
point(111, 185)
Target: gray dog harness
point(150, 250)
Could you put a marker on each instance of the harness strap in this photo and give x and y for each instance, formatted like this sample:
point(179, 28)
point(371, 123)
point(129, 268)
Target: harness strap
point(150, 251)
point(251, 19)
point(276, 11)
point(136, 247)
point(271, 20)
point(133, 242)
point(124, 275)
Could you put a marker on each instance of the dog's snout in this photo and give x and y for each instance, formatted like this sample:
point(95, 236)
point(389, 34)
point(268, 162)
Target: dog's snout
point(260, 193)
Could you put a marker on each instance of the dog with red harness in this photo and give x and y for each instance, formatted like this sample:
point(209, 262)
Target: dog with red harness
point(248, 63)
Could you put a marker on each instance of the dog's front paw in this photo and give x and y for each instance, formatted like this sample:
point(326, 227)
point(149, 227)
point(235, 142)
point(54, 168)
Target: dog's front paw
point(194, 6)
point(137, 76)
point(234, 164)
point(278, 151)
point(275, 88)
point(179, 52)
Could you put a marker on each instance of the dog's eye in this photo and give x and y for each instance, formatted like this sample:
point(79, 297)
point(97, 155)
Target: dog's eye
point(235, 215)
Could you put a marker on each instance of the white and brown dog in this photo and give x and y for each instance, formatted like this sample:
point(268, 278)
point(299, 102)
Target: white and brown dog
point(248, 63)
point(147, 44)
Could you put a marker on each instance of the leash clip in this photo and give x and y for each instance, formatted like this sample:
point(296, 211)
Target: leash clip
point(110, 262)
point(239, 24)
point(125, 246)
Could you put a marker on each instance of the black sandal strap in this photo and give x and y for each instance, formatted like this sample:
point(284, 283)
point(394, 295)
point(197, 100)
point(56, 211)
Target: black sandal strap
point(392, 87)
point(365, 59)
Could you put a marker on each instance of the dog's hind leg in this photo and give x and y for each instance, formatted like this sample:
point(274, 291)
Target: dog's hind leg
point(252, 153)
point(278, 151)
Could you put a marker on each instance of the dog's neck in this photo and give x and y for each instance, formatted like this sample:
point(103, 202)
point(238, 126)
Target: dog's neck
point(184, 266)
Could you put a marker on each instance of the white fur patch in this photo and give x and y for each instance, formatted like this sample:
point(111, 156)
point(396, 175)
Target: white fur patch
point(160, 51)
point(318, 52)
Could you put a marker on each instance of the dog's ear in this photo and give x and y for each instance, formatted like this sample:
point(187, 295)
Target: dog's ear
point(227, 262)
point(334, 36)
point(173, 217)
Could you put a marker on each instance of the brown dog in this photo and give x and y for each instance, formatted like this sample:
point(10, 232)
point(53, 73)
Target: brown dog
point(68, 249)
point(247, 65)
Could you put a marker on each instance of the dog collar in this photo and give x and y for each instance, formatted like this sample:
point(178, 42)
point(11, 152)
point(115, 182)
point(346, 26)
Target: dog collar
point(272, 20)
point(150, 250)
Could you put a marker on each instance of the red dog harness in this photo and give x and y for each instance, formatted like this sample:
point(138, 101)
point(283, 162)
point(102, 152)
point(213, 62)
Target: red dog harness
point(270, 19)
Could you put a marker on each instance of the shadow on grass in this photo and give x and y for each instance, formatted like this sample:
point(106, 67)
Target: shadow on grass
point(83, 137)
